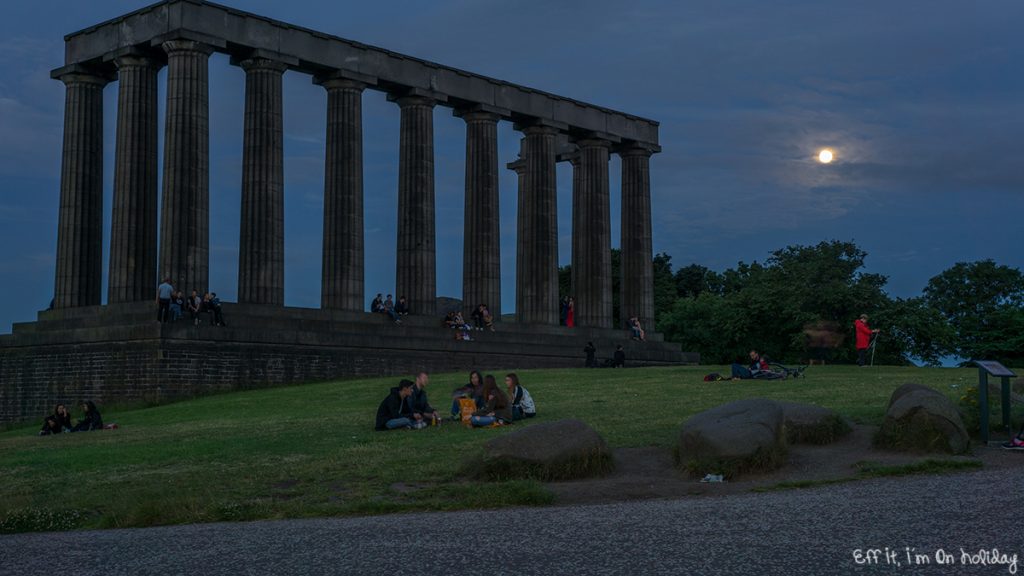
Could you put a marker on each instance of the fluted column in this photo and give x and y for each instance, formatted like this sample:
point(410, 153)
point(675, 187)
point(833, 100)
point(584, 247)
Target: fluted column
point(342, 281)
point(79, 274)
point(591, 236)
point(261, 246)
point(637, 266)
point(185, 212)
point(481, 260)
point(416, 268)
point(537, 263)
point(133, 231)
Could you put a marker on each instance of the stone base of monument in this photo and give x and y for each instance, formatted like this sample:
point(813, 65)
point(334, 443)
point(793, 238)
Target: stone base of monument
point(120, 353)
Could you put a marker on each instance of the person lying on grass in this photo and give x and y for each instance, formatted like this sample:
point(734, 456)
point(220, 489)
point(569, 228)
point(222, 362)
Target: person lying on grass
point(498, 409)
point(757, 364)
point(395, 412)
point(522, 402)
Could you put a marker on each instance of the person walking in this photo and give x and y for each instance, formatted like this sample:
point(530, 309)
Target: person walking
point(864, 335)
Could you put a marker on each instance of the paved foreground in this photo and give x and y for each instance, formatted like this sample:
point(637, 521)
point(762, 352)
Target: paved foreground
point(816, 531)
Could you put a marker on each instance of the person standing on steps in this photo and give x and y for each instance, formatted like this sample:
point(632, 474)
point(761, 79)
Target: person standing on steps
point(590, 350)
point(163, 300)
point(864, 335)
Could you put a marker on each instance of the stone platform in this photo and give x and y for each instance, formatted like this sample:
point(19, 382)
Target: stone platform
point(119, 353)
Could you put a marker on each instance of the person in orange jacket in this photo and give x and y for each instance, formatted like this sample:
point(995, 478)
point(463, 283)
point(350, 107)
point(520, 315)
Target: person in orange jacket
point(864, 333)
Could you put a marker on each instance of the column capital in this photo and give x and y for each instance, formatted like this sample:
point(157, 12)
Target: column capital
point(480, 113)
point(257, 63)
point(181, 45)
point(76, 74)
point(540, 126)
point(593, 143)
point(416, 97)
point(634, 149)
point(344, 80)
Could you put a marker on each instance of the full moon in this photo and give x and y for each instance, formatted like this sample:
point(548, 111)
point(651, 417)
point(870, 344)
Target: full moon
point(825, 156)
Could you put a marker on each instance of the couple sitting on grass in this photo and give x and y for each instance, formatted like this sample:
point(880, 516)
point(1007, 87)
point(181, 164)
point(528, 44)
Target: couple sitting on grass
point(406, 407)
point(60, 421)
point(493, 406)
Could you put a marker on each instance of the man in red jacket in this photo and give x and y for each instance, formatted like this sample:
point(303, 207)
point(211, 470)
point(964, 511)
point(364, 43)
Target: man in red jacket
point(864, 333)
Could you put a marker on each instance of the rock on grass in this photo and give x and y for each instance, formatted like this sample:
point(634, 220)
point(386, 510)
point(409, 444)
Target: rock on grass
point(560, 450)
point(810, 424)
point(741, 436)
point(923, 419)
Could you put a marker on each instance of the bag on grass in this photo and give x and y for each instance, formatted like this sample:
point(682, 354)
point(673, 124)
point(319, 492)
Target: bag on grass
point(467, 406)
point(713, 377)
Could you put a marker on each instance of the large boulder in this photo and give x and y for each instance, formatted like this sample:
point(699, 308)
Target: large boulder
point(746, 435)
point(924, 419)
point(810, 424)
point(559, 450)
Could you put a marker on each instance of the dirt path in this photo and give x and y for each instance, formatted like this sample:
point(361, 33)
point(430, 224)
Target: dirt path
point(649, 473)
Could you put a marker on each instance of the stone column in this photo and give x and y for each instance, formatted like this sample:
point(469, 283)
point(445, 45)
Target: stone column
point(342, 282)
point(79, 274)
point(537, 262)
point(133, 232)
point(416, 269)
point(637, 267)
point(185, 213)
point(591, 236)
point(261, 246)
point(481, 260)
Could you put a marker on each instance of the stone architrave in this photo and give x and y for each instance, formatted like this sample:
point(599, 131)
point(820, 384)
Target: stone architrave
point(481, 263)
point(416, 260)
point(133, 231)
point(637, 265)
point(185, 211)
point(537, 252)
point(342, 282)
point(591, 236)
point(261, 246)
point(79, 274)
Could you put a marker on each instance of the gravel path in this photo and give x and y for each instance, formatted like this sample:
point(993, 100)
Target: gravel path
point(794, 532)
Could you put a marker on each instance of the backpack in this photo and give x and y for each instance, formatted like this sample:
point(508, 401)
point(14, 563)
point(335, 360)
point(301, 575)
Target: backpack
point(713, 377)
point(527, 402)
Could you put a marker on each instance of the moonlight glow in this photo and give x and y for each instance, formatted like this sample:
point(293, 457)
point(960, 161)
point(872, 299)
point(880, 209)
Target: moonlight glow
point(825, 156)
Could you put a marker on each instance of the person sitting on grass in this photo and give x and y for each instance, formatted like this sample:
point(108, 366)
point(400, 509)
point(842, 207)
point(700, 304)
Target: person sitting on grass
point(395, 412)
point(63, 417)
point(757, 365)
point(472, 390)
point(50, 426)
point(522, 402)
point(498, 410)
point(422, 411)
point(91, 420)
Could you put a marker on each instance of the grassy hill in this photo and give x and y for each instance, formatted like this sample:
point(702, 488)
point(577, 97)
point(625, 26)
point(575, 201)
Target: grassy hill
point(311, 450)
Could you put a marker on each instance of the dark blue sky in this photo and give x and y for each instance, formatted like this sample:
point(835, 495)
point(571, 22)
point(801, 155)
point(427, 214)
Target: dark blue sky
point(922, 101)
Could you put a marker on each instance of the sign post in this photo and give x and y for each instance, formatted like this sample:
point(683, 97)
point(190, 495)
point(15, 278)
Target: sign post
point(993, 368)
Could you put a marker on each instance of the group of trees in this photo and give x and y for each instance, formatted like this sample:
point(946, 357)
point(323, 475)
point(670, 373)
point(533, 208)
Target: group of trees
point(971, 311)
point(804, 299)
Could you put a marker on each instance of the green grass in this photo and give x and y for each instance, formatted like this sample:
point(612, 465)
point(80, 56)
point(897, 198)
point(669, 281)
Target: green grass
point(310, 450)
